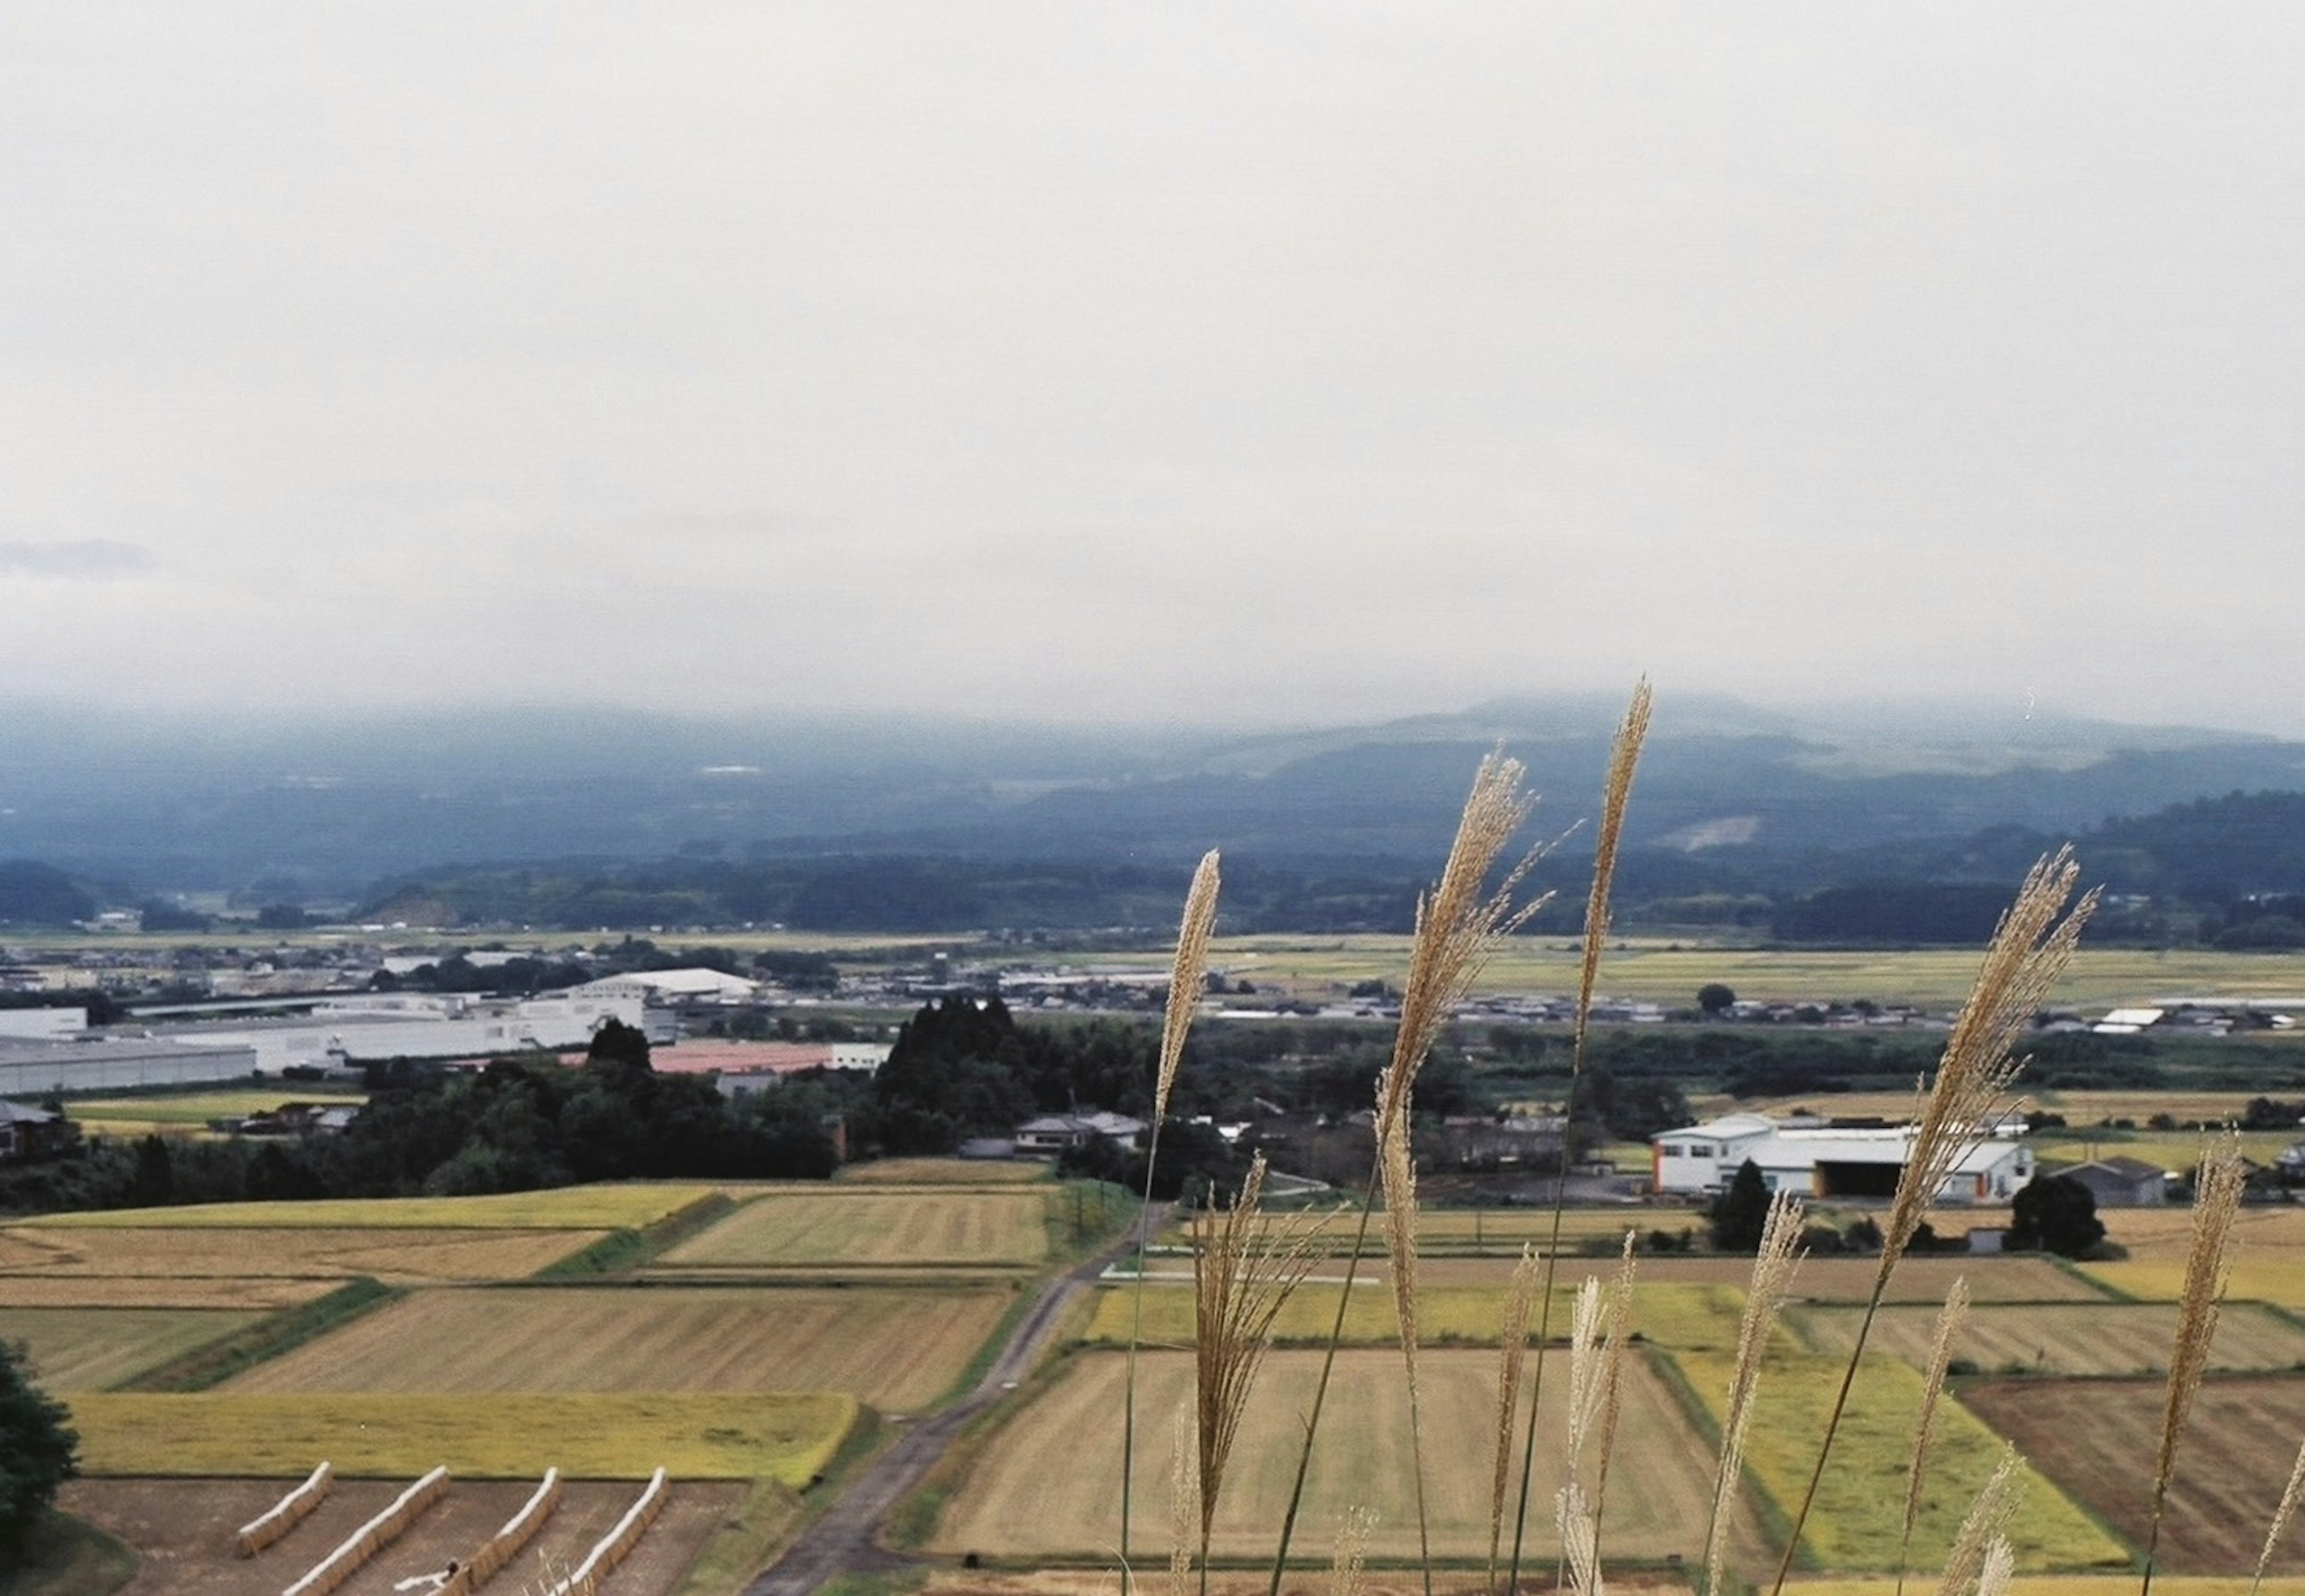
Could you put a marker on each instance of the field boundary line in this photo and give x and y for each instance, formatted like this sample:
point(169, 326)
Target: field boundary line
point(282, 1332)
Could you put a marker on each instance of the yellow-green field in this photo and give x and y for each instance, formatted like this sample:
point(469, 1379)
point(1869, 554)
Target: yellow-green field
point(898, 1229)
point(1670, 1315)
point(570, 1208)
point(1046, 1485)
point(2081, 1109)
point(1661, 972)
point(2167, 1150)
point(1859, 1511)
point(165, 1259)
point(75, 1349)
point(694, 1436)
point(2268, 1254)
point(944, 1172)
point(894, 1348)
point(2064, 1339)
point(1499, 1232)
point(192, 1109)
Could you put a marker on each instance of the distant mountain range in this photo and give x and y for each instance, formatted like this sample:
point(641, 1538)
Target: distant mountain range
point(1734, 805)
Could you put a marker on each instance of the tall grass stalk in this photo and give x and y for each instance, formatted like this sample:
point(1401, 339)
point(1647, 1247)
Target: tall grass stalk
point(1616, 795)
point(1512, 1351)
point(2029, 950)
point(1186, 974)
point(2216, 1199)
point(1617, 1323)
point(2282, 1514)
point(1244, 1272)
point(1350, 1557)
point(1950, 1321)
point(1774, 1263)
point(1459, 924)
point(1989, 1520)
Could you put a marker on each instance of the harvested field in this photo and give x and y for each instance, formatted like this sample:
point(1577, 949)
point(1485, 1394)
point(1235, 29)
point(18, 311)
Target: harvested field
point(183, 1528)
point(171, 1257)
point(1859, 1509)
point(696, 1436)
point(945, 1172)
point(1047, 1484)
point(2096, 1439)
point(2077, 1339)
point(2268, 1254)
point(90, 1349)
point(896, 1349)
point(1491, 1232)
point(569, 1207)
point(2003, 1280)
point(1669, 1315)
point(136, 1291)
point(876, 1229)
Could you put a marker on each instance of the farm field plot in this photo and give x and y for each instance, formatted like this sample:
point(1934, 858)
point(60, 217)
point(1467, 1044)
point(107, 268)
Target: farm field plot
point(2082, 1109)
point(1498, 1232)
point(2002, 1279)
point(568, 1207)
point(945, 1172)
point(183, 1528)
point(2067, 1585)
point(718, 1435)
point(78, 1349)
point(1670, 1315)
point(894, 1349)
point(2077, 1339)
point(239, 1294)
point(2268, 1254)
point(1047, 1484)
point(873, 1229)
point(1859, 1509)
point(2096, 1438)
point(394, 1256)
point(198, 1108)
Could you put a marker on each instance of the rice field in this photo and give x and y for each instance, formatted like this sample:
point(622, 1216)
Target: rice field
point(945, 1172)
point(196, 1109)
point(2068, 1339)
point(1670, 1315)
point(1017, 1504)
point(844, 1230)
point(2008, 1278)
point(1859, 1512)
point(2268, 1259)
point(592, 1435)
point(77, 1349)
point(896, 1349)
point(169, 1258)
point(238, 1292)
point(1492, 1232)
point(2097, 1439)
point(568, 1207)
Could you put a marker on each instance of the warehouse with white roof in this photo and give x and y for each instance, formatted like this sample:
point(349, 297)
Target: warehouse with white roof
point(1825, 1161)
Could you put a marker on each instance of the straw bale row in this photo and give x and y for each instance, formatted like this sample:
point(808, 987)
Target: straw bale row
point(602, 1560)
point(372, 1536)
point(505, 1544)
point(285, 1515)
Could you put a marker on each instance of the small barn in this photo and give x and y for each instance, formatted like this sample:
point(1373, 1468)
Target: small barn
point(2122, 1183)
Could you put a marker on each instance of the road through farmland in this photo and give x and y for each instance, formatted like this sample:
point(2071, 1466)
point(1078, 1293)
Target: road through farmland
point(843, 1539)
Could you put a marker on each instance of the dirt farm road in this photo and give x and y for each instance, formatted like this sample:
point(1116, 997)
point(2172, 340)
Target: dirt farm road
point(843, 1539)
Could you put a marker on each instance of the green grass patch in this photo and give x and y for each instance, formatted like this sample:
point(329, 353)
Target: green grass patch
point(745, 1542)
point(621, 1252)
point(64, 1556)
point(211, 1365)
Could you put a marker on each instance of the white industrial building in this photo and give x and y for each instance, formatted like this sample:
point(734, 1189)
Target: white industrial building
point(32, 1068)
point(1827, 1160)
point(365, 1028)
point(672, 985)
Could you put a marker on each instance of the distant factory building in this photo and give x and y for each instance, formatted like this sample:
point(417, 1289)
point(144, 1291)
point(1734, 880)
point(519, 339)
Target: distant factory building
point(1827, 1161)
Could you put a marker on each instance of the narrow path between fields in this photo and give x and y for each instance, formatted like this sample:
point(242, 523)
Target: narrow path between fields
point(843, 1539)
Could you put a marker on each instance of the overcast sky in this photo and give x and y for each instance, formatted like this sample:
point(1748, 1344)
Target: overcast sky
point(1238, 361)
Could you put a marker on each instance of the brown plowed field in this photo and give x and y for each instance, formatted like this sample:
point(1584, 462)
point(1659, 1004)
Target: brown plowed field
point(2096, 1438)
point(894, 1348)
point(1047, 1484)
point(2066, 1339)
point(896, 1229)
point(184, 1528)
point(1820, 1279)
point(168, 1258)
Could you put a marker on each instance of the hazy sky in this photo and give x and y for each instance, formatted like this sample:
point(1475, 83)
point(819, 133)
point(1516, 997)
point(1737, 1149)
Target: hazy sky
point(1238, 359)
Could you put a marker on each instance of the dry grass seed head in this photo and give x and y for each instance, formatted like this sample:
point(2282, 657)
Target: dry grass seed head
point(1184, 1506)
point(1512, 1341)
point(2216, 1199)
point(1617, 1319)
point(1458, 924)
point(1773, 1272)
point(1951, 1319)
point(2000, 1568)
point(1244, 1272)
point(1989, 1520)
point(2282, 1514)
point(1585, 1331)
point(2029, 952)
point(1580, 1539)
point(1354, 1527)
point(1616, 793)
point(1186, 977)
